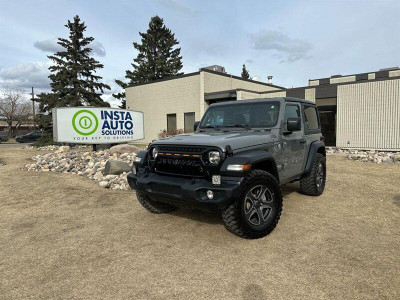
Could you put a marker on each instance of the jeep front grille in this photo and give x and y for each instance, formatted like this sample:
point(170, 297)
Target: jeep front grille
point(179, 160)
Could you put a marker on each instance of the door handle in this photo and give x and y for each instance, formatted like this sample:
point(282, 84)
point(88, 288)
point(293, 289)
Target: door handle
point(302, 141)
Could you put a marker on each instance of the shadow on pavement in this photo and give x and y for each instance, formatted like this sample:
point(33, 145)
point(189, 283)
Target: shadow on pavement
point(198, 215)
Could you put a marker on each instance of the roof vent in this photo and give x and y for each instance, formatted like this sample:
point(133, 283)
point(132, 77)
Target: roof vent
point(336, 76)
point(389, 69)
point(215, 68)
point(270, 79)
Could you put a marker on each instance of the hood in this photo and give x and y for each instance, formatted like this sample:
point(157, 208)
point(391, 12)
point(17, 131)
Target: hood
point(236, 140)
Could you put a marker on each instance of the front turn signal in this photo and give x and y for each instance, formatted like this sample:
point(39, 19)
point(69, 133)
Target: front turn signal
point(239, 168)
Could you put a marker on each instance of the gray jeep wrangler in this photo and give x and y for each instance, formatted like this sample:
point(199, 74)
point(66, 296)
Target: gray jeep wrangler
point(235, 162)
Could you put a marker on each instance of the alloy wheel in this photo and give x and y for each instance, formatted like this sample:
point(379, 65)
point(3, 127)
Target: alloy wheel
point(258, 205)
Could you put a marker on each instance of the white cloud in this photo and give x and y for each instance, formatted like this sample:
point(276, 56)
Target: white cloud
point(35, 74)
point(115, 88)
point(110, 99)
point(178, 6)
point(26, 75)
point(51, 46)
point(289, 48)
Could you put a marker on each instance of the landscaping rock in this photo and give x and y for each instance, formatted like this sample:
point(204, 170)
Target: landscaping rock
point(88, 164)
point(374, 156)
point(62, 149)
point(116, 167)
point(124, 148)
point(104, 183)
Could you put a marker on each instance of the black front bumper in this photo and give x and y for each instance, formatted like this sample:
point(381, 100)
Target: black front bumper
point(186, 192)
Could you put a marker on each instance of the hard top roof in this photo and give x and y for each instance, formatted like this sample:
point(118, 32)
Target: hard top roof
point(260, 100)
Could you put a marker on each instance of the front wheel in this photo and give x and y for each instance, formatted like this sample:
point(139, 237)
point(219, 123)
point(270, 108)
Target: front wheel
point(257, 211)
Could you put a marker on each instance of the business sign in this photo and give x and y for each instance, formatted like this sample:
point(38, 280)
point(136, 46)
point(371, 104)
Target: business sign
point(96, 125)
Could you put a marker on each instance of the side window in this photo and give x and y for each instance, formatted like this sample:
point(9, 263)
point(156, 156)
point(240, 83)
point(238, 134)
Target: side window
point(311, 118)
point(291, 111)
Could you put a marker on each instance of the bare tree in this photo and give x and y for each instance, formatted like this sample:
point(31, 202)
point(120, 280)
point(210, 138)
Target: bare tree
point(14, 108)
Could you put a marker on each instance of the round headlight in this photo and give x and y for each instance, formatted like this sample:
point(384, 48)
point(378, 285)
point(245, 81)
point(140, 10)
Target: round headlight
point(214, 157)
point(154, 153)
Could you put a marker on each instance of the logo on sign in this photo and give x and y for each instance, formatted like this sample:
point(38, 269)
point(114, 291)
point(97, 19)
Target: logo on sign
point(85, 122)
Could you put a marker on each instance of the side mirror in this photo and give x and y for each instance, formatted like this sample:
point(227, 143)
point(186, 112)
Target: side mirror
point(293, 124)
point(196, 124)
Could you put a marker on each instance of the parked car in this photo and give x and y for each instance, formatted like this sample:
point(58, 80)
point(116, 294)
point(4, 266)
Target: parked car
point(235, 162)
point(29, 137)
point(3, 136)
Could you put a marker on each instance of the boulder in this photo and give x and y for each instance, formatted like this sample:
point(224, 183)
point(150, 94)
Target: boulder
point(116, 167)
point(124, 148)
point(387, 160)
point(103, 183)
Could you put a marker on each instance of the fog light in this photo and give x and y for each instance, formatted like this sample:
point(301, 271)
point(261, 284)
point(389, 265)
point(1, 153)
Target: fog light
point(216, 180)
point(210, 194)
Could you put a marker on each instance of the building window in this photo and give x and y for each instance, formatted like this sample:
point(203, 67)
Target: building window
point(171, 123)
point(311, 118)
point(189, 122)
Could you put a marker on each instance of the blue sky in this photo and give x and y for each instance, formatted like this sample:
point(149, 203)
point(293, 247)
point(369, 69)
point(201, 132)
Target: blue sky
point(291, 40)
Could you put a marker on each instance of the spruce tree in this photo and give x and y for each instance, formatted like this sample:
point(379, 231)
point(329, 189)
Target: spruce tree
point(73, 78)
point(157, 58)
point(245, 73)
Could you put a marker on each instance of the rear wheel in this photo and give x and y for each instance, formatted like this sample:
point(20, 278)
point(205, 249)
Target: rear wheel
point(153, 206)
point(313, 183)
point(256, 213)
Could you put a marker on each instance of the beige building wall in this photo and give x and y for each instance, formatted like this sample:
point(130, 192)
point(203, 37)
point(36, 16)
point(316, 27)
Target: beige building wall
point(313, 82)
point(217, 83)
point(368, 115)
point(158, 99)
point(245, 95)
point(342, 79)
point(310, 94)
point(394, 73)
point(273, 95)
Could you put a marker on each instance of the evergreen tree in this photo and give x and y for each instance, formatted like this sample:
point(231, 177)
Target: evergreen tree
point(73, 78)
point(157, 58)
point(245, 73)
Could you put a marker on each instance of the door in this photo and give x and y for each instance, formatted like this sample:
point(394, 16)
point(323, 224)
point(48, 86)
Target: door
point(294, 144)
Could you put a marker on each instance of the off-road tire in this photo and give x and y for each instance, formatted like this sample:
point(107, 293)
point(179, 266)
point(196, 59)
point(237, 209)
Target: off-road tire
point(233, 215)
point(308, 183)
point(153, 206)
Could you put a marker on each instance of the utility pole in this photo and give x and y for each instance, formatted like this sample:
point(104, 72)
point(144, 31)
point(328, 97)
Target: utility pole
point(33, 109)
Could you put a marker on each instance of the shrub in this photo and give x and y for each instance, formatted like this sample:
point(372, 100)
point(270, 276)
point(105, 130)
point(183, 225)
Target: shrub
point(164, 133)
point(45, 140)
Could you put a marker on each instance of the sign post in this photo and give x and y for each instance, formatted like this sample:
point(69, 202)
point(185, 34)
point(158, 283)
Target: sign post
point(96, 125)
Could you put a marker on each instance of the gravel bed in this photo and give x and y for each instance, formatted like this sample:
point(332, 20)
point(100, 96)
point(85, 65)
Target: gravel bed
point(87, 164)
point(373, 156)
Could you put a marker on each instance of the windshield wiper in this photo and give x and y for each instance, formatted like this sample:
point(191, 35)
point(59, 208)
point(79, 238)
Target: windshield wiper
point(210, 126)
point(239, 126)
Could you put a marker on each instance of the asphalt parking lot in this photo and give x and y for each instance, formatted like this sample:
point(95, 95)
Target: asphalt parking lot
point(63, 236)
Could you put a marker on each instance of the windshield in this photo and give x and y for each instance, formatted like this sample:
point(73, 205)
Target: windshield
point(252, 115)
